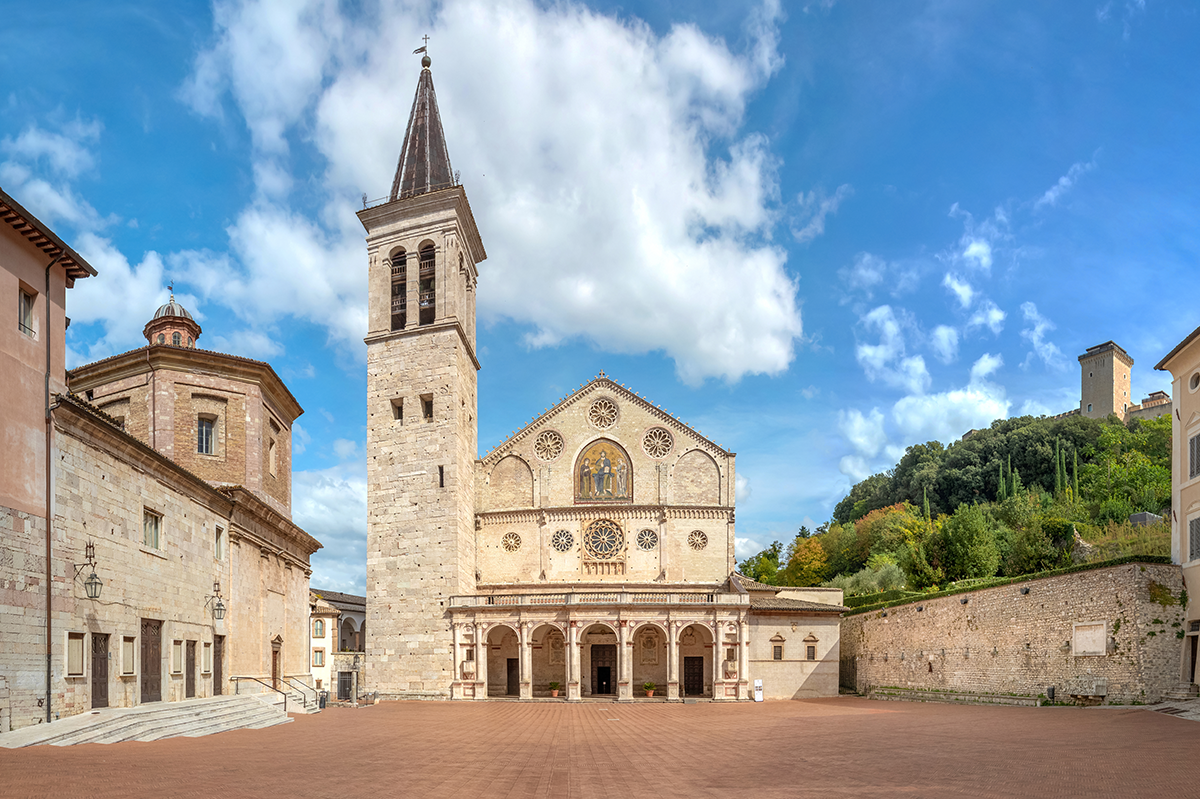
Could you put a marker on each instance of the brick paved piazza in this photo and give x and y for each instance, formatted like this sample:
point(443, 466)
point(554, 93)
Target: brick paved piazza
point(833, 747)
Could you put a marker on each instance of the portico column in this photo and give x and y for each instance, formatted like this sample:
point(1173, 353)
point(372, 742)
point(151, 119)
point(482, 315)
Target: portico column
point(672, 660)
point(624, 678)
point(743, 660)
point(574, 684)
point(526, 661)
point(481, 659)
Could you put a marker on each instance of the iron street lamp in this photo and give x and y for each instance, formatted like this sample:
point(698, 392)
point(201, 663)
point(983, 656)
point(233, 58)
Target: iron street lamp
point(93, 584)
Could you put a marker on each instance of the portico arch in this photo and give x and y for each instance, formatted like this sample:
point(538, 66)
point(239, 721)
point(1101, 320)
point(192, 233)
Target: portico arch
point(549, 659)
point(503, 658)
point(649, 657)
point(695, 645)
point(598, 660)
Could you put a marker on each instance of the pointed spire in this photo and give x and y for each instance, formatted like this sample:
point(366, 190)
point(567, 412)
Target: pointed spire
point(424, 160)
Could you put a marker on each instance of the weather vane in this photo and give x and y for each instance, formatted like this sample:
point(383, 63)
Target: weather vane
point(422, 48)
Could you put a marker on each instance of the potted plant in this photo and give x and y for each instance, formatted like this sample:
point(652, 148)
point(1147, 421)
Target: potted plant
point(553, 689)
point(649, 686)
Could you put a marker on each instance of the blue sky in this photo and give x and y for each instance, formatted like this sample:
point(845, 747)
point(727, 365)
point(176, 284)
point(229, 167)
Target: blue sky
point(818, 232)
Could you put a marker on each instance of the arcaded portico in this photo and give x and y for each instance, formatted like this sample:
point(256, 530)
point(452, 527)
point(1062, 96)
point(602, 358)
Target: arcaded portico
point(601, 644)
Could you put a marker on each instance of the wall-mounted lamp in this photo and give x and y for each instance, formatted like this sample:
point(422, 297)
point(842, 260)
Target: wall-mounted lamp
point(92, 584)
point(218, 607)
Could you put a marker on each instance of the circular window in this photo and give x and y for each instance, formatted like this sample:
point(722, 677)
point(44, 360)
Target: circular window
point(603, 413)
point(548, 446)
point(697, 540)
point(1194, 383)
point(647, 540)
point(511, 542)
point(657, 442)
point(562, 540)
point(603, 540)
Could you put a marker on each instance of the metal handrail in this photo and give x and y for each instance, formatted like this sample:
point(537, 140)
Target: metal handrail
point(237, 688)
point(302, 686)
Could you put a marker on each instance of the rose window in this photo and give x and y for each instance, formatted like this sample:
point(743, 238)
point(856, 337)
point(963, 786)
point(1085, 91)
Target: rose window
point(647, 540)
point(603, 540)
point(603, 413)
point(697, 539)
point(657, 442)
point(562, 540)
point(548, 446)
point(511, 542)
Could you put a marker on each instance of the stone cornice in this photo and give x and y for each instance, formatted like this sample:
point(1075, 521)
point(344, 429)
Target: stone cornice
point(253, 514)
point(397, 212)
point(390, 335)
point(615, 512)
point(188, 361)
point(596, 385)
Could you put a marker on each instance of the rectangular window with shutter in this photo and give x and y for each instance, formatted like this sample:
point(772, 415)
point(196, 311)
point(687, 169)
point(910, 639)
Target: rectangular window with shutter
point(177, 657)
point(75, 654)
point(1194, 539)
point(206, 663)
point(128, 651)
point(1193, 456)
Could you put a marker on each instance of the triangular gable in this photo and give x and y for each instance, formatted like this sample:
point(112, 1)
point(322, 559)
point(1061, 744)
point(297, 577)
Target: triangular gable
point(597, 384)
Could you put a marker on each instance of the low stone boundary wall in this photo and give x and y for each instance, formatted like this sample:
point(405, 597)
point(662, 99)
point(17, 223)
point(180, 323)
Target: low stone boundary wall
point(1112, 634)
point(950, 697)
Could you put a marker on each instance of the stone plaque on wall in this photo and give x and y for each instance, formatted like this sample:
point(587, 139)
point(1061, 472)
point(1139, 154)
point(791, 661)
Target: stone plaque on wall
point(1090, 638)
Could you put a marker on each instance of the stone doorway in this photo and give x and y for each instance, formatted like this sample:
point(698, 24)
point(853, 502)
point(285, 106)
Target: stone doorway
point(276, 661)
point(218, 663)
point(151, 681)
point(693, 676)
point(513, 686)
point(100, 670)
point(604, 668)
point(1192, 642)
point(189, 679)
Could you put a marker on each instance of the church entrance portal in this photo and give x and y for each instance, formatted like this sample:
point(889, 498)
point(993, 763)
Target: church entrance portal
point(693, 676)
point(604, 666)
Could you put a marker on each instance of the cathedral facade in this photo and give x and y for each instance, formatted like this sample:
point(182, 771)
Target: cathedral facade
point(591, 553)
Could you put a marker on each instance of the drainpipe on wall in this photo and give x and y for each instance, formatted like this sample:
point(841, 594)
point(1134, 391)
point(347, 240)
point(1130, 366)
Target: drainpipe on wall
point(49, 505)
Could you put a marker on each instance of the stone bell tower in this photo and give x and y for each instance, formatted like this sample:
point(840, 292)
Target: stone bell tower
point(422, 251)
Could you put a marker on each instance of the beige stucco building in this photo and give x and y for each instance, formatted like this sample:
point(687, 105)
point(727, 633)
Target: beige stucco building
point(165, 472)
point(1183, 363)
point(590, 553)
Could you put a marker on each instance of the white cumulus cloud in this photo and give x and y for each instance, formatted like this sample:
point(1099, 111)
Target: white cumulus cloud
point(947, 415)
point(619, 198)
point(944, 341)
point(813, 208)
point(887, 361)
point(960, 289)
point(1035, 333)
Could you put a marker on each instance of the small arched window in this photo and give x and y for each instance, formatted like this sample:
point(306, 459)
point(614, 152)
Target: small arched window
point(319, 628)
point(176, 339)
point(190, 341)
point(162, 339)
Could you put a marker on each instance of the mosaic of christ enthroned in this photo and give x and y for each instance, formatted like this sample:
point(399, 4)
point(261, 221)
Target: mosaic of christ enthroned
point(603, 473)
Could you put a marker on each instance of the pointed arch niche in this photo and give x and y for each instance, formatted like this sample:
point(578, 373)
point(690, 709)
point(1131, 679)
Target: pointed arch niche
point(603, 473)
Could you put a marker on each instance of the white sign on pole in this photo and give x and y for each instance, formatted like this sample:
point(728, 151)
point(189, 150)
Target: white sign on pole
point(758, 691)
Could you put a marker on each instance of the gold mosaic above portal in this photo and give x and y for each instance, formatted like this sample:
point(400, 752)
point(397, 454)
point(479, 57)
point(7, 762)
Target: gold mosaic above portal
point(603, 474)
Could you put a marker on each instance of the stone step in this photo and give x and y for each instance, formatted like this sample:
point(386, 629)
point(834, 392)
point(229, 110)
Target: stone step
point(154, 721)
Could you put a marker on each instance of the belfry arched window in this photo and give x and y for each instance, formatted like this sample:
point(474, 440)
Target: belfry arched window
point(176, 338)
point(428, 298)
point(399, 267)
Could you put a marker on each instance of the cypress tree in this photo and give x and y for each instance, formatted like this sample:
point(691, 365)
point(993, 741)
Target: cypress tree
point(1058, 486)
point(1000, 486)
point(1075, 473)
point(925, 501)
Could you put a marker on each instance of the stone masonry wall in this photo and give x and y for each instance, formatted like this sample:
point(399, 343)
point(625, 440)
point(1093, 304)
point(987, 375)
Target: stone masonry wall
point(1005, 641)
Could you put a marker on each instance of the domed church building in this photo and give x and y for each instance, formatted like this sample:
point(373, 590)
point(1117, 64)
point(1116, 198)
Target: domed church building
point(589, 555)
